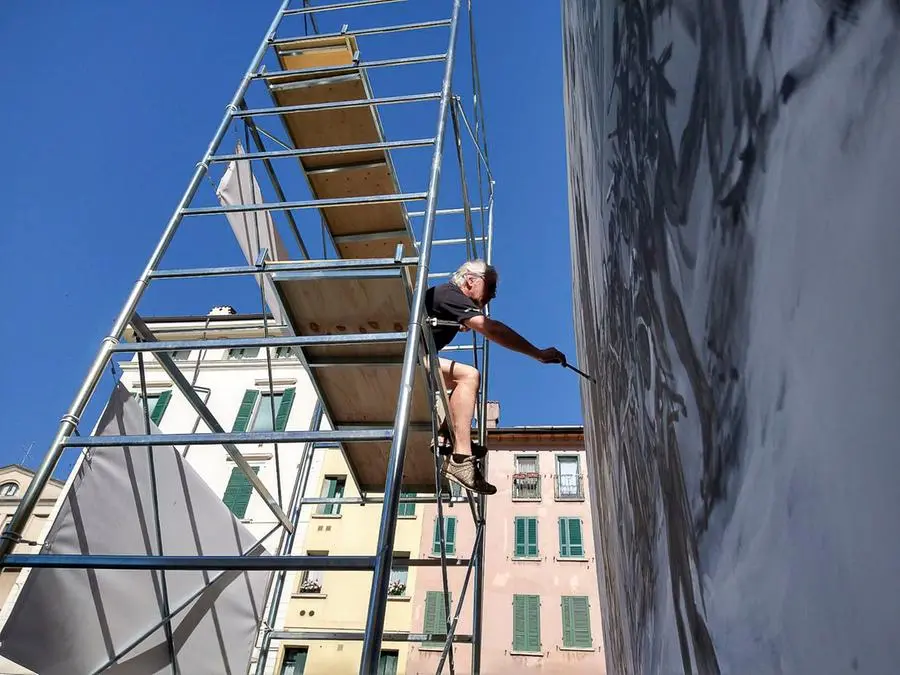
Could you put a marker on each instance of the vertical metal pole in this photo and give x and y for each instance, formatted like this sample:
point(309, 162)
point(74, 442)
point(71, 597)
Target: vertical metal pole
point(154, 497)
point(478, 586)
point(383, 557)
point(296, 507)
point(70, 420)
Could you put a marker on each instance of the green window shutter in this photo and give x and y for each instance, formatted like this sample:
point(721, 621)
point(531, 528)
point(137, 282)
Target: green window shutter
point(532, 549)
point(518, 623)
point(161, 403)
point(533, 623)
point(567, 622)
point(387, 663)
point(576, 545)
point(238, 491)
point(576, 622)
point(449, 533)
point(526, 623)
point(435, 615)
point(563, 538)
point(520, 537)
point(287, 400)
point(245, 411)
point(407, 508)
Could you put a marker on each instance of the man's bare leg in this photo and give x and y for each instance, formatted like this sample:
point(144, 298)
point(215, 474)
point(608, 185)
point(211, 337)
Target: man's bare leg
point(462, 380)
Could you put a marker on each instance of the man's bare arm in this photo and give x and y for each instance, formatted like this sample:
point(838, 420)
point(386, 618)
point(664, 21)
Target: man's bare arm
point(499, 332)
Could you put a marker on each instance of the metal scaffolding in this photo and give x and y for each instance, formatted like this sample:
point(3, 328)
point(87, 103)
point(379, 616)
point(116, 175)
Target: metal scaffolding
point(350, 179)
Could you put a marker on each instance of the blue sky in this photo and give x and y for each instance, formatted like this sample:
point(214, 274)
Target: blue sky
point(108, 107)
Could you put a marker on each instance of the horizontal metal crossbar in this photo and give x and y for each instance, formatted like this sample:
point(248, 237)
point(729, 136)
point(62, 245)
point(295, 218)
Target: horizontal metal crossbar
point(379, 63)
point(259, 341)
point(296, 266)
point(342, 5)
point(443, 212)
point(216, 562)
point(355, 435)
point(359, 501)
point(352, 635)
point(312, 204)
point(449, 242)
point(337, 105)
point(422, 25)
point(324, 150)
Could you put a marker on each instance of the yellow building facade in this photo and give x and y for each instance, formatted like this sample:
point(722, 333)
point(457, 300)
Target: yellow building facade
point(337, 601)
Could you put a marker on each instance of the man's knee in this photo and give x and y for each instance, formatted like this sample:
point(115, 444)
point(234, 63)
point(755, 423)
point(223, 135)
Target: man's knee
point(467, 374)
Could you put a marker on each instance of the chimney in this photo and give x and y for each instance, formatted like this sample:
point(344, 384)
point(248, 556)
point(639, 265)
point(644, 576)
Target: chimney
point(493, 414)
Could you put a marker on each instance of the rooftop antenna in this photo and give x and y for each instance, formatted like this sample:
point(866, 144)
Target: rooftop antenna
point(27, 452)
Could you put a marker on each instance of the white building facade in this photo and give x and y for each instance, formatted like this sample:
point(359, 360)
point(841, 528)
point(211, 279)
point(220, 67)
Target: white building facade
point(235, 386)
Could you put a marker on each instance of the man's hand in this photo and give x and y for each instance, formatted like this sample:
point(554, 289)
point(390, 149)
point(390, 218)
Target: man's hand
point(551, 355)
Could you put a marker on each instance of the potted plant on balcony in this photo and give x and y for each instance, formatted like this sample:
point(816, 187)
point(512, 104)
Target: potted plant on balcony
point(396, 588)
point(311, 586)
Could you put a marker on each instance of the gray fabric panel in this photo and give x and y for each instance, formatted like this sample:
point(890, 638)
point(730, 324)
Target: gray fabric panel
point(69, 622)
point(256, 230)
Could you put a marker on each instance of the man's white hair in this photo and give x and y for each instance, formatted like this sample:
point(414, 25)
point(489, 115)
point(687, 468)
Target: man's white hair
point(478, 267)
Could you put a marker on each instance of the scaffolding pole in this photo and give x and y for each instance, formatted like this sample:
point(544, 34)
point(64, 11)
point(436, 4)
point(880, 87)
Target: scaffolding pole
point(407, 346)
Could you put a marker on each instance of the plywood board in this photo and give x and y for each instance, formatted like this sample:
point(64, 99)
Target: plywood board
point(363, 173)
point(360, 386)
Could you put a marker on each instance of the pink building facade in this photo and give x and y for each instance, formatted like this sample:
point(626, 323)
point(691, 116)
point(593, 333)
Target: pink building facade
point(541, 601)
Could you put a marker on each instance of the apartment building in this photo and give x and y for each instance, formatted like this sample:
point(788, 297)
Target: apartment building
point(540, 606)
point(541, 601)
point(336, 602)
point(14, 481)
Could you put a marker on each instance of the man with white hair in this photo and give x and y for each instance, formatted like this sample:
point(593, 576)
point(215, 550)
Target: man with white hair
point(460, 304)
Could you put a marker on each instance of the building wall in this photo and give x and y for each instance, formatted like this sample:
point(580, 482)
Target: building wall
point(548, 575)
point(12, 579)
point(343, 600)
point(733, 208)
point(222, 382)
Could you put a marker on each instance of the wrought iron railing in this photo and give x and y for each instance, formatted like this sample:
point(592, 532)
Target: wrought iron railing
point(568, 486)
point(526, 485)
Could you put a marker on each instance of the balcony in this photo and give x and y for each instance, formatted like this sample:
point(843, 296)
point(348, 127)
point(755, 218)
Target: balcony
point(526, 486)
point(568, 487)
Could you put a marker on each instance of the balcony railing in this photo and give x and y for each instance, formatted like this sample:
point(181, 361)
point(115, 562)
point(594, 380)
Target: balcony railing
point(568, 486)
point(526, 486)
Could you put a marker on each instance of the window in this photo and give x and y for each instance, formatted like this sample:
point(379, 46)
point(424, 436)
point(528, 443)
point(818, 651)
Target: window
point(387, 663)
point(570, 541)
point(238, 491)
point(180, 355)
point(407, 509)
point(284, 352)
point(576, 621)
point(435, 616)
point(568, 478)
point(9, 489)
point(332, 488)
point(526, 479)
point(526, 623)
point(294, 661)
point(526, 537)
point(449, 536)
point(262, 419)
point(312, 581)
point(399, 577)
point(156, 404)
point(243, 353)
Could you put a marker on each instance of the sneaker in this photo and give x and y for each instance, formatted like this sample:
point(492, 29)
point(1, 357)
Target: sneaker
point(466, 473)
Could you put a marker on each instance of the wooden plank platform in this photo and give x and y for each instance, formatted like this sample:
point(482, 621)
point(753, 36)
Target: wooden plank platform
point(359, 383)
point(361, 173)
